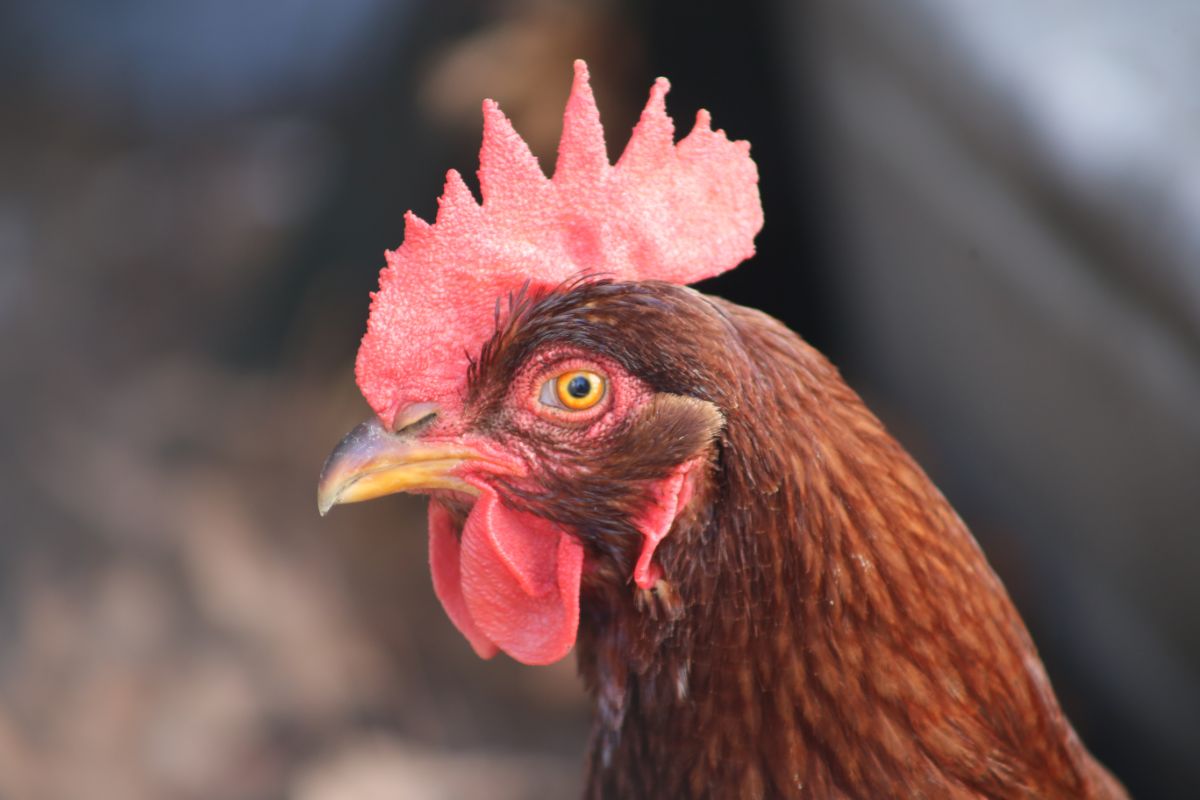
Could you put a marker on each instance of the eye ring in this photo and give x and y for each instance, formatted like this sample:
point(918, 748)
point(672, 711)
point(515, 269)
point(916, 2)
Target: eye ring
point(574, 390)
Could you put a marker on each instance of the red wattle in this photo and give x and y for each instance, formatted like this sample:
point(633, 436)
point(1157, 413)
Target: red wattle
point(444, 560)
point(513, 583)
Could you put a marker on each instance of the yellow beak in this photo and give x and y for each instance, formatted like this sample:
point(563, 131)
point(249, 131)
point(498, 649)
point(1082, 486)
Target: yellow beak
point(372, 462)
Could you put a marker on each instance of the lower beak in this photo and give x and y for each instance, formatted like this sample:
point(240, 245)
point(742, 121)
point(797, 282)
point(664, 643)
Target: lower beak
point(372, 462)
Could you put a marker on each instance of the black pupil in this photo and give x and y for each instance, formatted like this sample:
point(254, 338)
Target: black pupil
point(579, 387)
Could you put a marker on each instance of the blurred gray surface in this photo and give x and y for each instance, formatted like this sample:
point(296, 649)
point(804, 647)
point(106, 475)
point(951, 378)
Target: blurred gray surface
point(186, 247)
point(1016, 190)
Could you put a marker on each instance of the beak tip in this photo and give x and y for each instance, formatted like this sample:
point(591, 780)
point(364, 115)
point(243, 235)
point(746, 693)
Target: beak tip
point(371, 462)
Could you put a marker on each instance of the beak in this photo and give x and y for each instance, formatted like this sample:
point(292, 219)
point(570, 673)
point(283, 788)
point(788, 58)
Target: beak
point(372, 462)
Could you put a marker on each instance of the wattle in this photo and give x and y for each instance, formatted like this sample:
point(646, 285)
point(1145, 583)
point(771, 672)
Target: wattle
point(511, 583)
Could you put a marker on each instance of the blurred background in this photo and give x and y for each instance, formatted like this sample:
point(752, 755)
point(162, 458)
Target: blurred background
point(987, 214)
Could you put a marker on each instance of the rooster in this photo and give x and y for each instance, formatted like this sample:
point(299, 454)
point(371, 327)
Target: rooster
point(767, 597)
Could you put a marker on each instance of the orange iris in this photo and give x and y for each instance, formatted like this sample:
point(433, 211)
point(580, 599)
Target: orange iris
point(579, 389)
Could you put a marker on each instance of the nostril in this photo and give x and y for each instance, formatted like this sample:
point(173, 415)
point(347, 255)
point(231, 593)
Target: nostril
point(410, 418)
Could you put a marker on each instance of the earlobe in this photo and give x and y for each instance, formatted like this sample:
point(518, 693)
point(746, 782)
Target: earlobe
point(670, 496)
point(683, 430)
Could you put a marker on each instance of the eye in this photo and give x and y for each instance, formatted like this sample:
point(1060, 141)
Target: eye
point(575, 390)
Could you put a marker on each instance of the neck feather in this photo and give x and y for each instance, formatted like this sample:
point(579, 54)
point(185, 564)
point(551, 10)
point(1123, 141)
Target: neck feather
point(829, 627)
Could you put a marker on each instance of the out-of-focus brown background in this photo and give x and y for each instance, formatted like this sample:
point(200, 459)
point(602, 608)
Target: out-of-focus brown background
point(988, 216)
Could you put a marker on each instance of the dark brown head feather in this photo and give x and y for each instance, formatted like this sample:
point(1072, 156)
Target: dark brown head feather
point(835, 630)
point(595, 488)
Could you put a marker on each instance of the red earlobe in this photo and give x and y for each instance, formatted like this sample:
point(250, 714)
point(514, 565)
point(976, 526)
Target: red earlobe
point(669, 498)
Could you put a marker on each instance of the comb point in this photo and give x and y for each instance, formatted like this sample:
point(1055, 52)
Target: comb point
point(456, 205)
point(652, 144)
point(415, 228)
point(508, 170)
point(581, 150)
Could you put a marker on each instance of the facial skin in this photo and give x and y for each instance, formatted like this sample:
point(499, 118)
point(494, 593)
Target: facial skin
point(570, 437)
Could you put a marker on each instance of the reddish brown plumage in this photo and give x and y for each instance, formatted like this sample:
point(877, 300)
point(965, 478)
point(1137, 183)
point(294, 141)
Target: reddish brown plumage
point(807, 616)
point(826, 626)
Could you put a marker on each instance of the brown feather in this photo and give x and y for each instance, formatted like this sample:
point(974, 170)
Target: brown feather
point(826, 626)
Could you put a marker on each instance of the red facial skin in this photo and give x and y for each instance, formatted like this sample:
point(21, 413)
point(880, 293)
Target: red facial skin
point(623, 393)
point(510, 579)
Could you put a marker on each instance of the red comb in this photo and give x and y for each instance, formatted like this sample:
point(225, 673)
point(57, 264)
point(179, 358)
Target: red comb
point(668, 212)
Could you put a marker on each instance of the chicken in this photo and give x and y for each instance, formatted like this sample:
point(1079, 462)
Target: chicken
point(766, 595)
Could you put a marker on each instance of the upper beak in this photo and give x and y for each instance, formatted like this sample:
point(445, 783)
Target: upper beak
point(372, 462)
